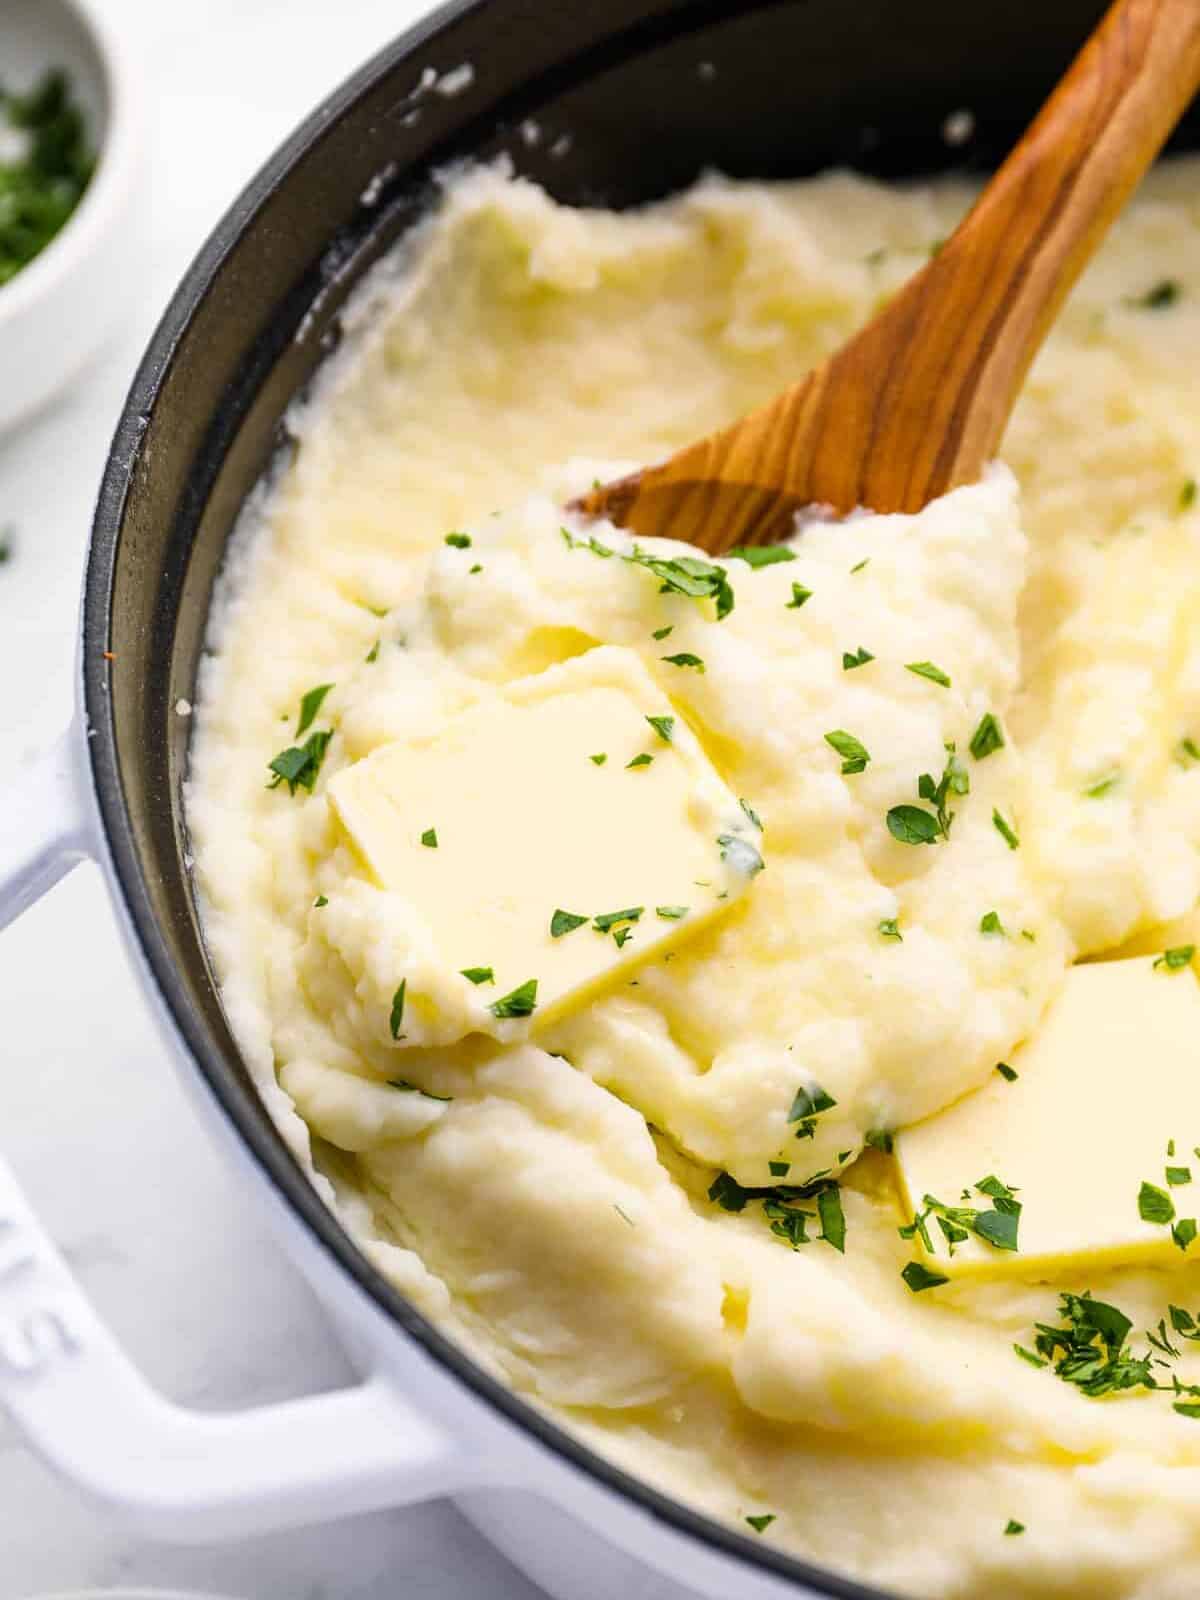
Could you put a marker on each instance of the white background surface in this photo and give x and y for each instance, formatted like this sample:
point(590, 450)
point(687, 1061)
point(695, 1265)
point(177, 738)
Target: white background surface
point(90, 1112)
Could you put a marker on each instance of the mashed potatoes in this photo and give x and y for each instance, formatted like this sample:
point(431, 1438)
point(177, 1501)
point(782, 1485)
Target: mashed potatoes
point(1019, 667)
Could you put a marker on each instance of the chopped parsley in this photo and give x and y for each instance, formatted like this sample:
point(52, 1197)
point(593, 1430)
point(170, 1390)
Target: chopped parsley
point(520, 1002)
point(859, 565)
point(859, 658)
point(1183, 1233)
point(599, 759)
point(832, 1217)
point(42, 183)
point(761, 1523)
point(927, 669)
point(799, 595)
point(565, 922)
point(1006, 1072)
point(458, 541)
point(780, 1169)
point(889, 927)
point(664, 727)
point(1012, 1527)
point(854, 754)
point(807, 1105)
point(661, 633)
point(310, 706)
point(1155, 1205)
point(429, 839)
point(397, 1015)
point(919, 1277)
point(685, 575)
point(608, 920)
point(751, 815)
point(1187, 494)
point(912, 825)
point(319, 902)
point(879, 1139)
point(643, 760)
point(1177, 1176)
point(996, 1225)
point(415, 1088)
point(1090, 1350)
point(373, 654)
point(990, 923)
point(987, 738)
point(762, 555)
point(685, 658)
point(1157, 298)
point(671, 913)
point(1102, 786)
point(478, 975)
point(1178, 957)
point(1005, 830)
point(1187, 752)
point(298, 766)
point(620, 935)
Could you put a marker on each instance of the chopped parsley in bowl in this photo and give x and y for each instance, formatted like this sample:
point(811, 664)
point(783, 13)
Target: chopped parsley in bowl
point(46, 163)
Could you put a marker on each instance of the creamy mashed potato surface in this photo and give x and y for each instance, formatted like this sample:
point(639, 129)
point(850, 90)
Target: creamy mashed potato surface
point(569, 1194)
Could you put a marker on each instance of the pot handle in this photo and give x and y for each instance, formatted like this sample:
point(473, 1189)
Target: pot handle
point(82, 1404)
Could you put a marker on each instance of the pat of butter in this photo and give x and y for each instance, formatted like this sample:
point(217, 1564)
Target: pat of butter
point(1111, 1077)
point(528, 822)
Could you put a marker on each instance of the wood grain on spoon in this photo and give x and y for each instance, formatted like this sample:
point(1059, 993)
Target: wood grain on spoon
point(917, 402)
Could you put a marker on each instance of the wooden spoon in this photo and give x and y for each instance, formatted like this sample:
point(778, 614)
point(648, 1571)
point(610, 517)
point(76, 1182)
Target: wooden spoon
point(916, 403)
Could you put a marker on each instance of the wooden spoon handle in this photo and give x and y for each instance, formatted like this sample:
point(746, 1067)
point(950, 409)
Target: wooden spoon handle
point(917, 402)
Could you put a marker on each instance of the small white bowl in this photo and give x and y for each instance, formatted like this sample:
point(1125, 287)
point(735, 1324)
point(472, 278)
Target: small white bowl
point(56, 312)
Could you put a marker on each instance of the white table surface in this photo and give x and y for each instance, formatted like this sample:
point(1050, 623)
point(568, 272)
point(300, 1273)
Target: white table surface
point(91, 1113)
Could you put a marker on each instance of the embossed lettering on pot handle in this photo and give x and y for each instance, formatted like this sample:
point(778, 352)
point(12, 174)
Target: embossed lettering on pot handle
point(80, 1401)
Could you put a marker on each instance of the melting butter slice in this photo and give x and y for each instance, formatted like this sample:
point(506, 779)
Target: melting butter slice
point(1111, 1077)
point(527, 824)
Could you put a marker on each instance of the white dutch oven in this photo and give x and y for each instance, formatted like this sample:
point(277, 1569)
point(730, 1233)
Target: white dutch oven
point(624, 106)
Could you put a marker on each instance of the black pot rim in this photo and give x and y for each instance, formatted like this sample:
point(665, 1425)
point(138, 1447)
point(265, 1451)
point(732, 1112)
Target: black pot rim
point(128, 882)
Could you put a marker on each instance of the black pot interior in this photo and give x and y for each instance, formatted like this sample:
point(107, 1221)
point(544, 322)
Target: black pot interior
point(649, 92)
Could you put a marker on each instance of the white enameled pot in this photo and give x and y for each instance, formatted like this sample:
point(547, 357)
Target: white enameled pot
point(626, 101)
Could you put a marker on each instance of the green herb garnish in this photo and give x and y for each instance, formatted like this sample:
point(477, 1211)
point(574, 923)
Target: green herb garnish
point(889, 927)
point(1164, 293)
point(833, 1218)
point(927, 669)
point(762, 555)
point(643, 760)
point(1005, 830)
point(458, 541)
point(1155, 1205)
point(919, 1277)
point(608, 920)
point(1102, 786)
point(1006, 1072)
point(565, 922)
point(671, 913)
point(320, 902)
point(661, 633)
point(987, 738)
point(1183, 1234)
point(1090, 1351)
point(854, 754)
point(685, 658)
point(912, 825)
point(478, 975)
point(799, 595)
point(990, 923)
point(309, 707)
point(1012, 1527)
point(429, 839)
point(686, 575)
point(521, 1002)
point(859, 658)
point(664, 727)
point(372, 654)
point(397, 1016)
point(40, 188)
point(762, 1523)
point(599, 760)
point(1178, 1176)
point(1175, 959)
point(880, 1139)
point(298, 766)
point(1187, 494)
